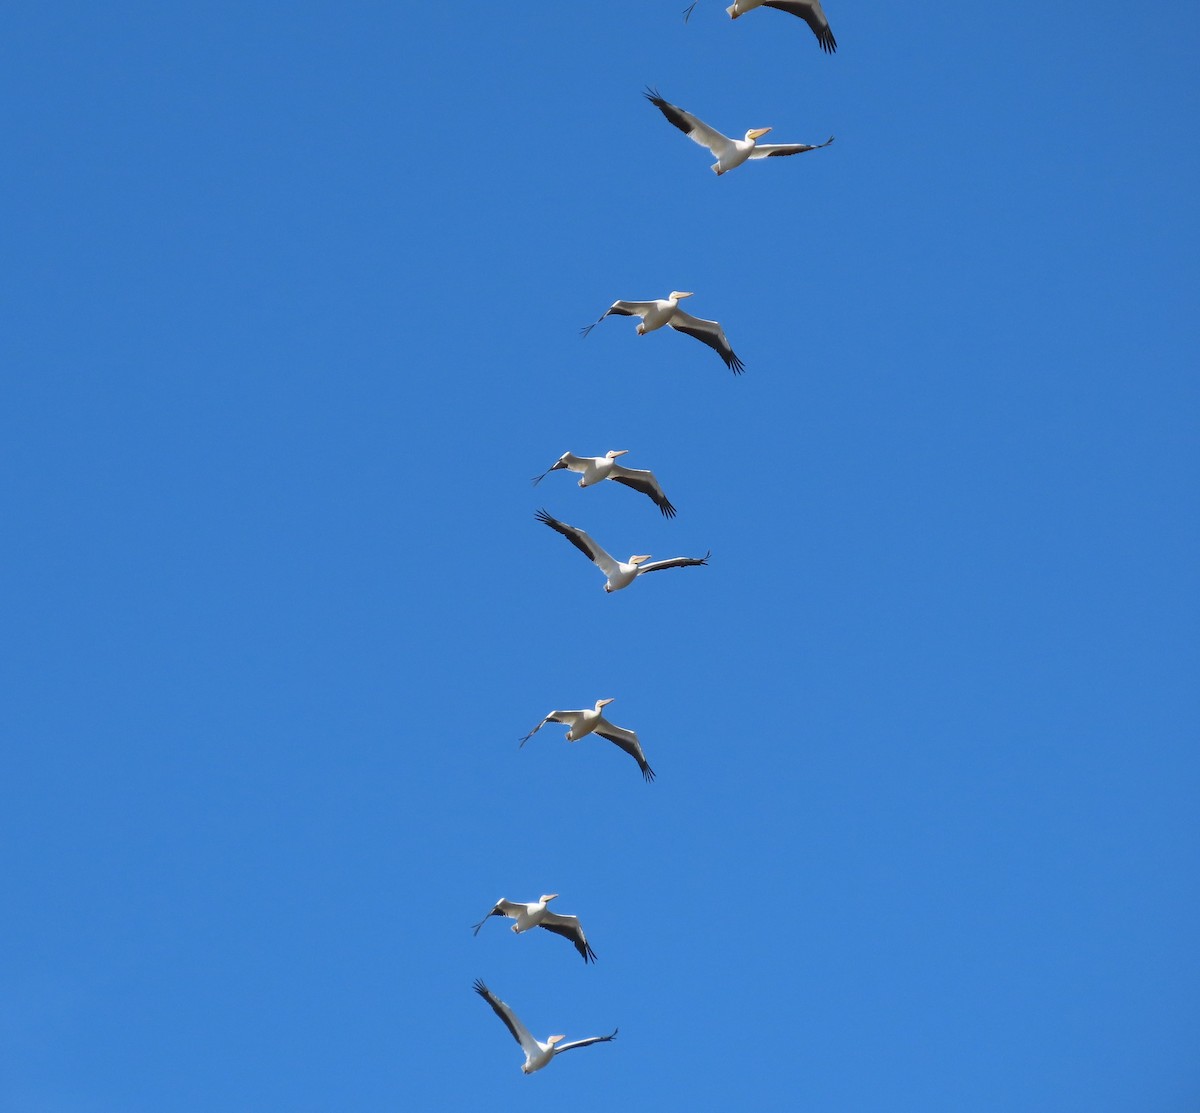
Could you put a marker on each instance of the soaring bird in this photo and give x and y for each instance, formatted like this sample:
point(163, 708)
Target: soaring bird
point(808, 10)
point(537, 1054)
point(538, 915)
point(592, 721)
point(729, 153)
point(619, 573)
point(666, 311)
point(597, 468)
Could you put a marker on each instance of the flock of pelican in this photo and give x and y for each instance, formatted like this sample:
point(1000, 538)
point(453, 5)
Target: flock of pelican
point(729, 153)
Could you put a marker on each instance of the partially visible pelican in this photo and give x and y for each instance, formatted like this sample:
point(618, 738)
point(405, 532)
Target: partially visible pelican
point(585, 722)
point(538, 915)
point(537, 1054)
point(619, 573)
point(666, 311)
point(597, 468)
point(808, 10)
point(729, 153)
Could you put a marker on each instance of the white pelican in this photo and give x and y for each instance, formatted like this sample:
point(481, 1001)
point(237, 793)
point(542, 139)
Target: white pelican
point(808, 10)
point(620, 573)
point(597, 468)
point(729, 153)
point(585, 722)
point(666, 311)
point(538, 915)
point(537, 1054)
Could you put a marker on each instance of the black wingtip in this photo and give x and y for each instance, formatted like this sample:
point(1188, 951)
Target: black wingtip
point(647, 773)
point(668, 511)
point(480, 988)
point(734, 364)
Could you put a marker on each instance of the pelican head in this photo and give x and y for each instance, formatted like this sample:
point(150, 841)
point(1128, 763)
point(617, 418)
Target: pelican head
point(615, 453)
point(604, 702)
point(555, 1039)
point(756, 133)
point(547, 897)
point(636, 560)
point(677, 294)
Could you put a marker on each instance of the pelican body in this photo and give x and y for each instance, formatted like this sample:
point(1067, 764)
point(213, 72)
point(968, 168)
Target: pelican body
point(596, 469)
point(729, 153)
point(666, 311)
point(587, 721)
point(537, 1054)
point(618, 573)
point(538, 914)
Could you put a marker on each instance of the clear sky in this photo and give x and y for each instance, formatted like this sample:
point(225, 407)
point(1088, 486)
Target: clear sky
point(292, 296)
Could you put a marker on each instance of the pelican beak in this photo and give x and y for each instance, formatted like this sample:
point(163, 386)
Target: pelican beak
point(606, 702)
point(758, 133)
point(623, 452)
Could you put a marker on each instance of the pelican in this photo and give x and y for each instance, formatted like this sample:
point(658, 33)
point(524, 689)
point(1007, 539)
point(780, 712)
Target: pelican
point(537, 1054)
point(597, 468)
point(620, 573)
point(587, 722)
point(729, 152)
point(538, 915)
point(666, 311)
point(808, 10)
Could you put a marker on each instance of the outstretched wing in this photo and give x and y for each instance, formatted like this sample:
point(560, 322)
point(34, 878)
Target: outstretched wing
point(520, 1032)
point(628, 741)
point(621, 309)
point(691, 126)
point(581, 541)
point(710, 333)
point(584, 1043)
point(773, 150)
point(567, 460)
point(674, 562)
point(644, 482)
point(811, 12)
point(502, 908)
point(568, 717)
point(568, 927)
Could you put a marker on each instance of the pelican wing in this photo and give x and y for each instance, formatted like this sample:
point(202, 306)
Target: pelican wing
point(695, 129)
point(584, 1043)
point(773, 150)
point(811, 12)
point(502, 908)
point(567, 717)
point(568, 927)
point(567, 460)
point(621, 309)
point(710, 333)
point(582, 542)
point(674, 562)
point(628, 741)
point(644, 482)
point(520, 1033)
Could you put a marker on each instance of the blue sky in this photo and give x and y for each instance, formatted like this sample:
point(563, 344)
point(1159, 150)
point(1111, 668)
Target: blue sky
point(293, 305)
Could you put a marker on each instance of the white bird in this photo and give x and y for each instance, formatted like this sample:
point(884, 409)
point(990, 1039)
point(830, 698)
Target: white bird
point(594, 469)
point(538, 915)
point(590, 721)
point(729, 153)
point(808, 10)
point(619, 573)
point(537, 1054)
point(666, 311)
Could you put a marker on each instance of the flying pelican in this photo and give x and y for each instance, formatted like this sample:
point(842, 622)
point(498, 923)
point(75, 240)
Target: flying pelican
point(620, 573)
point(666, 311)
point(587, 722)
point(596, 468)
point(537, 1054)
point(729, 152)
point(808, 10)
point(538, 915)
